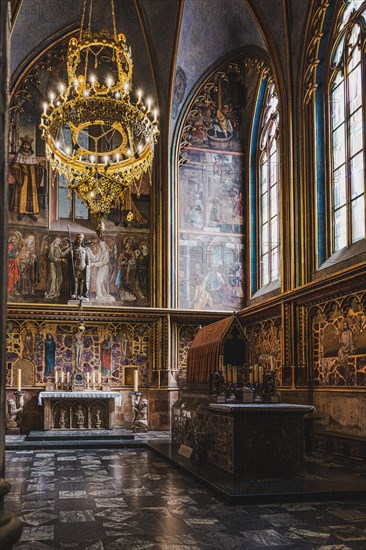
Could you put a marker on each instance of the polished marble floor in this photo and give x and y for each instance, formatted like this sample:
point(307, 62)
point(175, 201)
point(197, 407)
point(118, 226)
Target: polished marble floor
point(131, 499)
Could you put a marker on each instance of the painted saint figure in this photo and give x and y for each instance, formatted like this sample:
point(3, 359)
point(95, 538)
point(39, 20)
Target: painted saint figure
point(28, 266)
point(106, 355)
point(78, 346)
point(28, 174)
point(13, 265)
point(347, 346)
point(100, 261)
point(49, 354)
point(56, 257)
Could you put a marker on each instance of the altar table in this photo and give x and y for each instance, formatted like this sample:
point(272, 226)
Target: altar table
point(79, 410)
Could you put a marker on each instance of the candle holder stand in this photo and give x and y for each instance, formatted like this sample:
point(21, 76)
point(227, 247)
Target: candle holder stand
point(139, 409)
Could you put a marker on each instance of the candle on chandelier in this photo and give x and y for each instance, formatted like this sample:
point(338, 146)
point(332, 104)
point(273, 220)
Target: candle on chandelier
point(109, 83)
point(62, 89)
point(19, 380)
point(45, 108)
point(92, 80)
point(135, 380)
point(149, 105)
point(52, 98)
point(139, 95)
point(155, 115)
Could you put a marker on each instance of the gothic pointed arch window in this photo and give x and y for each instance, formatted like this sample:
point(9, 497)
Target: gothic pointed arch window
point(346, 90)
point(268, 188)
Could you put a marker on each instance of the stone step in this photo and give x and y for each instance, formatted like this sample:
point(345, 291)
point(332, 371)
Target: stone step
point(80, 435)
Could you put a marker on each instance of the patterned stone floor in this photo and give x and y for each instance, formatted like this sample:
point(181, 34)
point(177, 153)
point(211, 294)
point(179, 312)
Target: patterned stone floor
point(131, 499)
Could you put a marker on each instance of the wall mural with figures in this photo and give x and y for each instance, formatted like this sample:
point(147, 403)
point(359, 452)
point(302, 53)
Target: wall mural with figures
point(265, 348)
point(44, 219)
point(338, 331)
point(55, 350)
point(211, 191)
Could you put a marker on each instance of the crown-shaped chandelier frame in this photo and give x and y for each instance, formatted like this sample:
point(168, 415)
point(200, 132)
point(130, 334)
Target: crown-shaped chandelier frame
point(87, 114)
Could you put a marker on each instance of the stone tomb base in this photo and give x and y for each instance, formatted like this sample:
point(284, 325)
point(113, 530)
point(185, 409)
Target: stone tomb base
point(239, 438)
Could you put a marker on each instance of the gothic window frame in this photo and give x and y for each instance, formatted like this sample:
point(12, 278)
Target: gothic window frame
point(342, 199)
point(268, 197)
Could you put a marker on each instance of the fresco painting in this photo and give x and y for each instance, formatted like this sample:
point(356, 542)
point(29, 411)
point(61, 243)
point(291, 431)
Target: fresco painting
point(211, 196)
point(41, 211)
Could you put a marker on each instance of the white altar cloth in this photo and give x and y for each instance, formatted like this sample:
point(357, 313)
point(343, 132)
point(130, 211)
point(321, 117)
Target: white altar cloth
point(81, 395)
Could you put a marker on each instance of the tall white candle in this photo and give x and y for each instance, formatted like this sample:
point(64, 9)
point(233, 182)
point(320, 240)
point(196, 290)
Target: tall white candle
point(136, 380)
point(19, 380)
point(62, 377)
point(56, 377)
point(100, 378)
point(87, 378)
point(260, 374)
point(93, 378)
point(68, 377)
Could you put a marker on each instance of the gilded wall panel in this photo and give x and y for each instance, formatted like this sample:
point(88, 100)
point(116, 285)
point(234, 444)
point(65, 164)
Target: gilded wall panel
point(338, 333)
point(106, 350)
point(265, 346)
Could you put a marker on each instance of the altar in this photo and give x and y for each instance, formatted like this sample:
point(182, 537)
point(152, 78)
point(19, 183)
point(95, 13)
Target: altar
point(78, 410)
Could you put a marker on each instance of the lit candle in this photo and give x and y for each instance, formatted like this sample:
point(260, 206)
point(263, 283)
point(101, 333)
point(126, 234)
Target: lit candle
point(155, 115)
point(221, 362)
point(52, 98)
point(139, 96)
point(45, 108)
point(251, 375)
point(260, 373)
point(19, 380)
point(149, 105)
point(136, 380)
point(109, 83)
point(62, 89)
point(92, 80)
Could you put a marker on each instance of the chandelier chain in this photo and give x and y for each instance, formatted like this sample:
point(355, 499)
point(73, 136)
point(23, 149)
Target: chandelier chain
point(82, 19)
point(90, 15)
point(114, 19)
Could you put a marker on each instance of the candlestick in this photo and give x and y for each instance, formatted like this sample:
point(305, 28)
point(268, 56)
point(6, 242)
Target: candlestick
point(260, 375)
point(221, 362)
point(136, 380)
point(19, 380)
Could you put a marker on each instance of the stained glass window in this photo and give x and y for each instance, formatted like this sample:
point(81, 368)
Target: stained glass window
point(268, 189)
point(347, 129)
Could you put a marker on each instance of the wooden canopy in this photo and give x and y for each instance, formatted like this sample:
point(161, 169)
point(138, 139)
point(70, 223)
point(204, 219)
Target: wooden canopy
point(206, 348)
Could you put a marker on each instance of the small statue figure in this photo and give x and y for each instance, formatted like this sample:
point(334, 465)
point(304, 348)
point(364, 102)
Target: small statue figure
point(97, 418)
point(216, 383)
point(79, 417)
point(140, 414)
point(269, 384)
point(14, 421)
point(62, 419)
point(80, 269)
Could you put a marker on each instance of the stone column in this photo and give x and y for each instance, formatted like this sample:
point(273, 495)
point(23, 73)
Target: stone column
point(10, 526)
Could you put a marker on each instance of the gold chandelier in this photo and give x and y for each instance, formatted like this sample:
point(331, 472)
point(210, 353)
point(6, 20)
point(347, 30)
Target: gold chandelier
point(96, 137)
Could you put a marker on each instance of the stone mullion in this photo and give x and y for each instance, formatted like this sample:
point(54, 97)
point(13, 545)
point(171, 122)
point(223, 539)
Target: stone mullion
point(10, 526)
